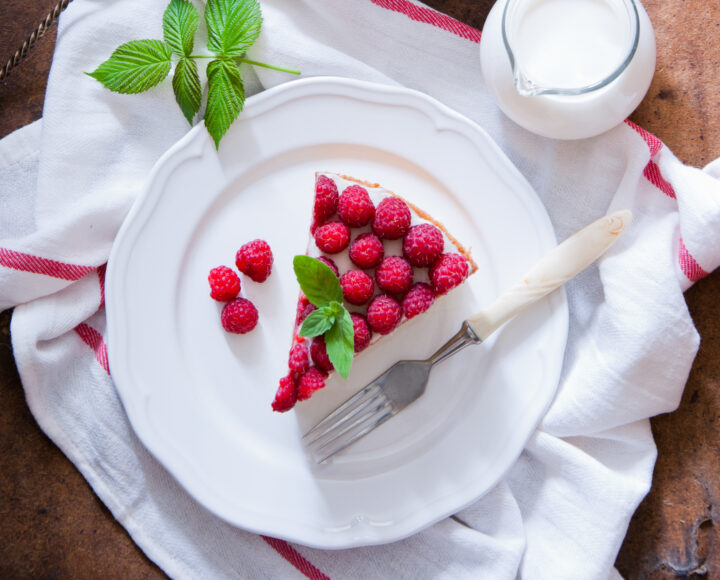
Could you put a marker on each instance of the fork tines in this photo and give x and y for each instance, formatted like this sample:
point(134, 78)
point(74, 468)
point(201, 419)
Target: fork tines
point(352, 420)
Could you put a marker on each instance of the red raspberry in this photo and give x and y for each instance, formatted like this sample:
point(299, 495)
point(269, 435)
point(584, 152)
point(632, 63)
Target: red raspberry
point(313, 380)
point(300, 313)
point(392, 218)
point(318, 352)
point(423, 245)
point(366, 251)
point(326, 199)
point(418, 299)
point(239, 316)
point(330, 264)
point(357, 287)
point(224, 283)
point(394, 275)
point(449, 271)
point(355, 207)
point(286, 395)
point(363, 334)
point(332, 238)
point(302, 303)
point(384, 314)
point(255, 259)
point(298, 360)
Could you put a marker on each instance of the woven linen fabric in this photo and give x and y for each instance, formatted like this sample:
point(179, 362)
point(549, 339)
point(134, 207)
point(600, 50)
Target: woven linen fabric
point(67, 183)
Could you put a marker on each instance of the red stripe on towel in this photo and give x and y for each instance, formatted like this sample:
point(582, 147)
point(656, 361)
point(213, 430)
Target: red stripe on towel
point(101, 279)
point(37, 265)
point(653, 175)
point(295, 558)
point(653, 142)
point(430, 16)
point(689, 265)
point(95, 341)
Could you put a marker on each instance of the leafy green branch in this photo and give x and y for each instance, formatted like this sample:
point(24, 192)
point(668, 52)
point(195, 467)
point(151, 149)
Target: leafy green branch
point(233, 27)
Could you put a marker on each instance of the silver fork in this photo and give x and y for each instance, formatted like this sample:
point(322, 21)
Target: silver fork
point(406, 380)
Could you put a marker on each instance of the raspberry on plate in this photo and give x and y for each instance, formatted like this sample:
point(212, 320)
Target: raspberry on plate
point(423, 245)
point(392, 218)
point(449, 271)
point(319, 355)
point(363, 334)
point(286, 395)
point(357, 287)
point(224, 283)
point(332, 238)
point(239, 316)
point(298, 360)
point(313, 380)
point(255, 259)
point(394, 275)
point(326, 199)
point(355, 207)
point(303, 312)
point(366, 251)
point(384, 314)
point(418, 299)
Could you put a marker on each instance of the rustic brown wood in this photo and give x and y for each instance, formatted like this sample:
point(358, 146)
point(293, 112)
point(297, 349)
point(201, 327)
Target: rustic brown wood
point(52, 525)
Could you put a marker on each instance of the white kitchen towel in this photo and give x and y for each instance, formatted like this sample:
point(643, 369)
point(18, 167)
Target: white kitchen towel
point(563, 509)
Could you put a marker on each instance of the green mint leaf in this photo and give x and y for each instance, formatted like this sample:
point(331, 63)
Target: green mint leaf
point(340, 343)
point(180, 23)
point(135, 66)
point(317, 322)
point(226, 96)
point(187, 88)
point(317, 281)
point(233, 25)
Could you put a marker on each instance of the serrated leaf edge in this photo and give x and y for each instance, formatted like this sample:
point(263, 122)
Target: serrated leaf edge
point(226, 97)
point(180, 23)
point(233, 26)
point(117, 76)
point(187, 89)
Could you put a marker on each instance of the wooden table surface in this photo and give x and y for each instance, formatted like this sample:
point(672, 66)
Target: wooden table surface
point(53, 526)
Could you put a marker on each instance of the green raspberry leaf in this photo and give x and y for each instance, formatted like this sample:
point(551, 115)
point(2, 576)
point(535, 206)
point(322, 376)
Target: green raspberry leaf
point(134, 67)
point(340, 343)
point(187, 87)
point(318, 322)
point(317, 281)
point(180, 23)
point(226, 96)
point(233, 25)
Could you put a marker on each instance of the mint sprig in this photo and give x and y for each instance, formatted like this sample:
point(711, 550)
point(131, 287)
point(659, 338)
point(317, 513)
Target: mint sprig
point(331, 319)
point(233, 27)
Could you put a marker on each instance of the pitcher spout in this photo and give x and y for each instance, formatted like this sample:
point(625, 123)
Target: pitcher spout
point(524, 85)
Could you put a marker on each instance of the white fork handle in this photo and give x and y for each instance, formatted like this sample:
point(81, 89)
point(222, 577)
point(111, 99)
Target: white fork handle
point(552, 271)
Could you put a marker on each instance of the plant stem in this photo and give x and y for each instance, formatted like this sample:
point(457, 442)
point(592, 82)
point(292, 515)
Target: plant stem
point(252, 62)
point(262, 64)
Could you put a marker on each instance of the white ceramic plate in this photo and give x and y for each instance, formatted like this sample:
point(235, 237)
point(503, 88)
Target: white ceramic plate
point(199, 398)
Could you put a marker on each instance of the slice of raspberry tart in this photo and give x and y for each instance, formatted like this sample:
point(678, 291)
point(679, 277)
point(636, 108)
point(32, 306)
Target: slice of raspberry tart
point(374, 261)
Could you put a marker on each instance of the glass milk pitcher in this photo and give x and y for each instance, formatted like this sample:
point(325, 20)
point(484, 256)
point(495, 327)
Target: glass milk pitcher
point(568, 69)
